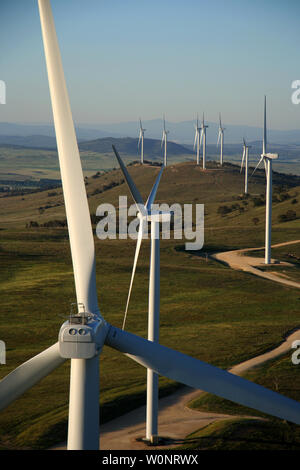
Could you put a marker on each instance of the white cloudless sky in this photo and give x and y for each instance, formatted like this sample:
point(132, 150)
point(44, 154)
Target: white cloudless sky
point(125, 59)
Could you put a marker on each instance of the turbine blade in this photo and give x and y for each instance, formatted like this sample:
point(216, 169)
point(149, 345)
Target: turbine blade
point(201, 137)
point(261, 158)
point(265, 127)
point(219, 135)
point(28, 374)
point(154, 189)
point(242, 164)
point(136, 257)
point(195, 140)
point(266, 168)
point(132, 187)
point(198, 374)
point(77, 209)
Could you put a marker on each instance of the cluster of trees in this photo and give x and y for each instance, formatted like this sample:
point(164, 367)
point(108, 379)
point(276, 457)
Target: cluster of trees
point(106, 187)
point(50, 223)
point(289, 215)
point(224, 210)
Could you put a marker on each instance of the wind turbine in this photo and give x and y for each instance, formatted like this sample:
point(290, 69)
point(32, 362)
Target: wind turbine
point(267, 158)
point(203, 141)
point(197, 139)
point(221, 136)
point(146, 214)
point(81, 338)
point(141, 141)
point(164, 141)
point(245, 159)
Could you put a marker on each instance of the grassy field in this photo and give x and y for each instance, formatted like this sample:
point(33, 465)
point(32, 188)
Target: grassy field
point(207, 310)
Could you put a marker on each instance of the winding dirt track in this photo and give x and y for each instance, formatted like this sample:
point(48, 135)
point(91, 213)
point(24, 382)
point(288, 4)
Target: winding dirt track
point(236, 260)
point(176, 420)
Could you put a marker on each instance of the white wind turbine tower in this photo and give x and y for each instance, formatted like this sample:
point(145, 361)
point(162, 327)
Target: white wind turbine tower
point(147, 214)
point(141, 141)
point(197, 139)
point(221, 136)
point(245, 159)
point(82, 337)
point(203, 141)
point(267, 158)
point(164, 141)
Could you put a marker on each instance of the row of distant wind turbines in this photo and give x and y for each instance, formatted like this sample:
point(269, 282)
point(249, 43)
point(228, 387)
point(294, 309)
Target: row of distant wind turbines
point(267, 158)
point(82, 337)
point(200, 139)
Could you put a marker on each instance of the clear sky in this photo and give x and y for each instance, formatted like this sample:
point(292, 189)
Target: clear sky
point(129, 58)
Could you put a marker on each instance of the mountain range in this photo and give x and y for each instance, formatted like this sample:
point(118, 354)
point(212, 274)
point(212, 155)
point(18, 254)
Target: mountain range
point(32, 135)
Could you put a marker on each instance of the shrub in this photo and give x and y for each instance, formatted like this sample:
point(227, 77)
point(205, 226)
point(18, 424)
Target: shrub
point(289, 215)
point(223, 210)
point(258, 201)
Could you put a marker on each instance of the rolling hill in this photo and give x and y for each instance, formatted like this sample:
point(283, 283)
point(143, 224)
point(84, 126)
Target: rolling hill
point(225, 316)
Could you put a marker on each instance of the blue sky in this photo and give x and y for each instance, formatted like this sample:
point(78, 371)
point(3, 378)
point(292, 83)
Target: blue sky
point(125, 59)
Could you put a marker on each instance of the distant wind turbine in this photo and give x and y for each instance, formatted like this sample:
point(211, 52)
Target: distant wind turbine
point(141, 141)
point(164, 141)
point(221, 136)
point(197, 140)
point(245, 160)
point(203, 141)
point(267, 158)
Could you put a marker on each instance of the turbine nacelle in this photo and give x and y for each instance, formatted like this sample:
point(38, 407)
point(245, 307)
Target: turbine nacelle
point(270, 156)
point(82, 336)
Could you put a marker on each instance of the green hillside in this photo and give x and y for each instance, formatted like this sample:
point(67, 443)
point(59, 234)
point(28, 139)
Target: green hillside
point(207, 310)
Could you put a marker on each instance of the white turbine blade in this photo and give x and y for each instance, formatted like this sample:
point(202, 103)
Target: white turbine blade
point(265, 127)
point(219, 135)
point(266, 168)
point(132, 187)
point(261, 158)
point(198, 374)
point(196, 135)
point(136, 257)
point(242, 164)
point(201, 137)
point(77, 209)
point(154, 189)
point(140, 136)
point(28, 374)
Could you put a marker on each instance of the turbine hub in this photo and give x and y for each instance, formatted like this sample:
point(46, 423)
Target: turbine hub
point(82, 336)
